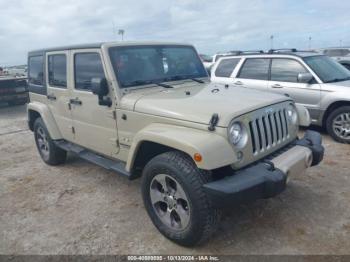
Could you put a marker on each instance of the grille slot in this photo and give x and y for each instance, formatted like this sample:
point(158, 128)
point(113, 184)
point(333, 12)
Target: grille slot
point(268, 130)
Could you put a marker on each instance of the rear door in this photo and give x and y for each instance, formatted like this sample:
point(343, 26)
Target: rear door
point(94, 125)
point(58, 93)
point(254, 73)
point(284, 80)
point(223, 71)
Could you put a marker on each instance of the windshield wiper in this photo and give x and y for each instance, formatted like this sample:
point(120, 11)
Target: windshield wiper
point(138, 82)
point(184, 77)
point(162, 85)
point(147, 82)
point(197, 80)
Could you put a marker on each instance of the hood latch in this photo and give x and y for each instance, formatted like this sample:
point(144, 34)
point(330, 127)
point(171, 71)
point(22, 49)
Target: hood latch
point(213, 122)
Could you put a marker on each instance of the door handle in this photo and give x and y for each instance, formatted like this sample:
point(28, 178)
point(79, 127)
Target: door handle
point(238, 83)
point(75, 101)
point(277, 86)
point(51, 97)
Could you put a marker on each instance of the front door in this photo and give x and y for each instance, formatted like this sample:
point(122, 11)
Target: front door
point(284, 80)
point(94, 125)
point(58, 93)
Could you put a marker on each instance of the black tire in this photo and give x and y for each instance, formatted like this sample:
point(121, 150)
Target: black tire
point(52, 155)
point(330, 120)
point(203, 218)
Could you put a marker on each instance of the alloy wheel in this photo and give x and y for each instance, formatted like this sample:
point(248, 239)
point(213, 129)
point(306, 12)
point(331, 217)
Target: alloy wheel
point(43, 143)
point(341, 125)
point(170, 202)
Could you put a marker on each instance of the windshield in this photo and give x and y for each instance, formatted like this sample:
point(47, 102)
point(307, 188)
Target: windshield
point(140, 65)
point(327, 69)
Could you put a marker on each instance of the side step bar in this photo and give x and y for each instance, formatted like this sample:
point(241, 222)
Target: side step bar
point(88, 155)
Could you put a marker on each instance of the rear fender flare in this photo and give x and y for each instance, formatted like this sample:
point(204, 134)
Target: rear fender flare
point(47, 117)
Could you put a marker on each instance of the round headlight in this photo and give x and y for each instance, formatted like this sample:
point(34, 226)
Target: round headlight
point(235, 133)
point(292, 114)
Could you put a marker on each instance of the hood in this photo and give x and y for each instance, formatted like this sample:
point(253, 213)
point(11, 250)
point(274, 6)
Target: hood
point(340, 84)
point(198, 102)
point(340, 89)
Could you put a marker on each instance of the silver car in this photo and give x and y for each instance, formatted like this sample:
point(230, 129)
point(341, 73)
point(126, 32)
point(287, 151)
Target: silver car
point(339, 54)
point(315, 81)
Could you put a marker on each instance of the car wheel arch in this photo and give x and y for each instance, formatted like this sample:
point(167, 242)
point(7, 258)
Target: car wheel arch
point(187, 140)
point(333, 106)
point(145, 151)
point(32, 116)
point(36, 110)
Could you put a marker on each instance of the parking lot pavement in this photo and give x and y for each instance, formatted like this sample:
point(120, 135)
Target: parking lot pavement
point(79, 208)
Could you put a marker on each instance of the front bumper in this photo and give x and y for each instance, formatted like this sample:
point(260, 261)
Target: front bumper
point(269, 177)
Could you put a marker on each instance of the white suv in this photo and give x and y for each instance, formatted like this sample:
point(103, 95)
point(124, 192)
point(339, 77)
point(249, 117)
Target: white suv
point(312, 80)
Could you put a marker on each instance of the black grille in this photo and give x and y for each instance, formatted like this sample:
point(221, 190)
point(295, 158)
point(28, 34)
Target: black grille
point(268, 130)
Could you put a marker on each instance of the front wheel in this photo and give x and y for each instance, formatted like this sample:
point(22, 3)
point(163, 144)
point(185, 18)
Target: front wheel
point(175, 200)
point(338, 124)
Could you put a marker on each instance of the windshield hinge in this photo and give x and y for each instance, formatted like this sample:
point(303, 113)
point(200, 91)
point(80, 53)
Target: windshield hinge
point(213, 122)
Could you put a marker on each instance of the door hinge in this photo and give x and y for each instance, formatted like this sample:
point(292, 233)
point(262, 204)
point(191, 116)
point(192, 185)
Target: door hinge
point(114, 114)
point(73, 130)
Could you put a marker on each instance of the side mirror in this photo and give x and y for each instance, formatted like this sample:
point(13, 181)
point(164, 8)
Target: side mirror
point(305, 77)
point(99, 87)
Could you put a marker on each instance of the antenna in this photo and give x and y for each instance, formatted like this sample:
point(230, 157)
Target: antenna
point(271, 39)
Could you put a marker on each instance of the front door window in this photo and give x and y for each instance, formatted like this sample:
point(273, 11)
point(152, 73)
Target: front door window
point(286, 70)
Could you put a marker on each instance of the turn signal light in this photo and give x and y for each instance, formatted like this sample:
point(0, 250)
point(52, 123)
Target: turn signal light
point(197, 157)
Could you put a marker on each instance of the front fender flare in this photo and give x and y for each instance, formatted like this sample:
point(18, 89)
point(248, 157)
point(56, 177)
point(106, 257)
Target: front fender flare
point(47, 117)
point(215, 149)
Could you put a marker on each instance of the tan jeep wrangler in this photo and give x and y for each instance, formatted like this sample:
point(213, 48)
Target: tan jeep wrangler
point(148, 110)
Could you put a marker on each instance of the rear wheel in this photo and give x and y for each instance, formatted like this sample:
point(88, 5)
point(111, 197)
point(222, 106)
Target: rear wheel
point(338, 124)
point(175, 200)
point(49, 152)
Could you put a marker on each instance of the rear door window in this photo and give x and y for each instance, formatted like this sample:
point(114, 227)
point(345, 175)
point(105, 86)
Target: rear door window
point(35, 74)
point(226, 67)
point(286, 70)
point(57, 66)
point(255, 68)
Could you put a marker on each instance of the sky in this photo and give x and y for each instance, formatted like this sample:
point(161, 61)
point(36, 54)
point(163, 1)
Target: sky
point(211, 26)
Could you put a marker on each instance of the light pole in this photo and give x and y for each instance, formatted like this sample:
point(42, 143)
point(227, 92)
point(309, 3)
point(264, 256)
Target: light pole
point(310, 42)
point(121, 32)
point(271, 39)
